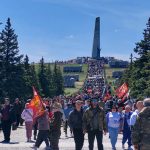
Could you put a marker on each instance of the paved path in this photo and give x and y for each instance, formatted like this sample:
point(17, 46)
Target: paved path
point(18, 142)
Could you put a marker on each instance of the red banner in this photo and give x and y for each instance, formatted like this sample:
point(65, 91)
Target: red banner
point(122, 90)
point(125, 96)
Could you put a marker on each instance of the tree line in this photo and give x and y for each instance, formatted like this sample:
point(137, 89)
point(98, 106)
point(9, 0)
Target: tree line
point(138, 74)
point(17, 75)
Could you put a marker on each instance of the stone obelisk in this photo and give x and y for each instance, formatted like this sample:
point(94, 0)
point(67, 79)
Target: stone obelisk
point(96, 41)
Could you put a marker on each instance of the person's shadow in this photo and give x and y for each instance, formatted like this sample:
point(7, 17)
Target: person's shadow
point(10, 143)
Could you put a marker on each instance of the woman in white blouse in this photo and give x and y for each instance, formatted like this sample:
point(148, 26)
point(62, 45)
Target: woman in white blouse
point(27, 115)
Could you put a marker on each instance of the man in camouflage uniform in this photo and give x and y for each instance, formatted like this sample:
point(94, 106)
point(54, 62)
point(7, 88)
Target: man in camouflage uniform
point(94, 123)
point(141, 130)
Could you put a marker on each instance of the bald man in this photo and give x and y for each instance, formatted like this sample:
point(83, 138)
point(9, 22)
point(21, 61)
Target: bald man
point(141, 131)
point(139, 106)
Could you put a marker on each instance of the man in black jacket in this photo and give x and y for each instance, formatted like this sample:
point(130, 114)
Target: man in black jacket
point(18, 110)
point(75, 123)
point(7, 117)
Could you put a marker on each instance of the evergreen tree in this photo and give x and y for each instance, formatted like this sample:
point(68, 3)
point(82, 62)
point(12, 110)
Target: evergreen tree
point(139, 77)
point(27, 78)
point(12, 78)
point(51, 81)
point(34, 78)
point(43, 79)
point(58, 80)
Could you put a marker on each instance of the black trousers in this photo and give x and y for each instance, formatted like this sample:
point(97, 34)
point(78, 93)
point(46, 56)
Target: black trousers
point(35, 129)
point(91, 138)
point(54, 137)
point(18, 117)
point(42, 136)
point(78, 138)
point(66, 126)
point(6, 127)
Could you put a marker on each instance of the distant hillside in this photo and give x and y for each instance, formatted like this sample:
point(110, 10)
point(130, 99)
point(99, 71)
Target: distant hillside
point(82, 76)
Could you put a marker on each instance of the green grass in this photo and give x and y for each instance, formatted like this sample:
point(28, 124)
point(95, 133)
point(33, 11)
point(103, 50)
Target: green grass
point(70, 91)
point(78, 85)
point(82, 75)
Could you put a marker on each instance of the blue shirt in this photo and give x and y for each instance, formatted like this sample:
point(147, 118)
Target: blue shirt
point(67, 112)
point(113, 119)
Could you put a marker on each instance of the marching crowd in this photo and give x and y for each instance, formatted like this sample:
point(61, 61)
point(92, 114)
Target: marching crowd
point(83, 113)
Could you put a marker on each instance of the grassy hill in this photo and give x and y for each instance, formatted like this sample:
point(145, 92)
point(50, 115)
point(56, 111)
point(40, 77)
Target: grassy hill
point(82, 76)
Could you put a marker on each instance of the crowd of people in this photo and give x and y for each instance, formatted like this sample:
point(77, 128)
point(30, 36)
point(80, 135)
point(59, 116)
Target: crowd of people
point(83, 113)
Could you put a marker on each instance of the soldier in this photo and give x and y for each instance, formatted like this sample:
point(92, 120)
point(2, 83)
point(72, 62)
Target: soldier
point(141, 131)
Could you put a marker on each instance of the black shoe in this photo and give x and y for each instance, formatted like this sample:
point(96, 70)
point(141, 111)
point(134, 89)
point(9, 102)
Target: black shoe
point(5, 141)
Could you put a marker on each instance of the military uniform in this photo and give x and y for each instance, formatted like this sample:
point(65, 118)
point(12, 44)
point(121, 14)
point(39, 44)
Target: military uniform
point(94, 122)
point(141, 130)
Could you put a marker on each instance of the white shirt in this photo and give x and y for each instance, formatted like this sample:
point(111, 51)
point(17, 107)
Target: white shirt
point(27, 115)
point(133, 117)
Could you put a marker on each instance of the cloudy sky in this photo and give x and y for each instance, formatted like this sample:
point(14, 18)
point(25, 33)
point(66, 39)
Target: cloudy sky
point(63, 29)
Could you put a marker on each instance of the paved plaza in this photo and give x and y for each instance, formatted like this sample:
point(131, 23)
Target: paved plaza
point(18, 142)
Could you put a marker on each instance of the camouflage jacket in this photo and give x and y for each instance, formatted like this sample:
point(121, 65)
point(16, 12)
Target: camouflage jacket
point(141, 130)
point(88, 116)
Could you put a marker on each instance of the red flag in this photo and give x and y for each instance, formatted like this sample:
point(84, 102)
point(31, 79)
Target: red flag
point(125, 96)
point(36, 104)
point(122, 90)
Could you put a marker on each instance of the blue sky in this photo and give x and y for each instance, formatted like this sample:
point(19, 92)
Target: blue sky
point(63, 29)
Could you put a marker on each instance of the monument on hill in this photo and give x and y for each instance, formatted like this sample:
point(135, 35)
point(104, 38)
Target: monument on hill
point(96, 41)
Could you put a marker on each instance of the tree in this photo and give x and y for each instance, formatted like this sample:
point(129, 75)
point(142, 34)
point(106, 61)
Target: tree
point(51, 81)
point(58, 80)
point(34, 78)
point(43, 79)
point(11, 62)
point(139, 77)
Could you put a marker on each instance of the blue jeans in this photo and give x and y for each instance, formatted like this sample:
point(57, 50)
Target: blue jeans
point(113, 133)
point(127, 136)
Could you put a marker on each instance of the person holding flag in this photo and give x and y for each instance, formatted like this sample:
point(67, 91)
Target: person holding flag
point(40, 114)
